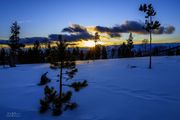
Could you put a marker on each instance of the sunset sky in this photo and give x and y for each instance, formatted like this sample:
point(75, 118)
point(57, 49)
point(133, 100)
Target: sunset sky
point(41, 18)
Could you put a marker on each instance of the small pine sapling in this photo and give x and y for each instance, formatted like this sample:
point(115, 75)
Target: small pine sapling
point(59, 102)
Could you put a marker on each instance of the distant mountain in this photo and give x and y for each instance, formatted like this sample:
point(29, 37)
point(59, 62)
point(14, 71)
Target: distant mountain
point(28, 40)
point(139, 46)
point(4, 41)
point(33, 39)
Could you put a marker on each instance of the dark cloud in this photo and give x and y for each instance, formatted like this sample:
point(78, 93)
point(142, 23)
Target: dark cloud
point(76, 37)
point(128, 26)
point(103, 29)
point(164, 30)
point(113, 35)
point(75, 28)
point(169, 29)
point(109, 31)
point(76, 32)
point(159, 31)
point(133, 26)
point(72, 37)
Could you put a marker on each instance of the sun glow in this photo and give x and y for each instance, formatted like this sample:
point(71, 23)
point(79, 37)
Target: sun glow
point(88, 44)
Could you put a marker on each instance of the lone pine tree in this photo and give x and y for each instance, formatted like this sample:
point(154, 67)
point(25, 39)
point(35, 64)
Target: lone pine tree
point(150, 25)
point(97, 48)
point(66, 63)
point(14, 44)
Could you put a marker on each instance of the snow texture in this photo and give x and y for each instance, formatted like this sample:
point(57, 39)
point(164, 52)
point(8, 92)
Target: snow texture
point(119, 89)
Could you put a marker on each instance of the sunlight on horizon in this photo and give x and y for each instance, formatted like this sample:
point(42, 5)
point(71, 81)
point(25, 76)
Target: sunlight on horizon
point(88, 43)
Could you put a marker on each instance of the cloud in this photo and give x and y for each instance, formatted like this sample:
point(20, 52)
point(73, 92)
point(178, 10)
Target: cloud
point(72, 37)
point(128, 26)
point(169, 29)
point(75, 28)
point(76, 37)
point(76, 32)
point(133, 26)
point(165, 30)
point(113, 35)
point(103, 29)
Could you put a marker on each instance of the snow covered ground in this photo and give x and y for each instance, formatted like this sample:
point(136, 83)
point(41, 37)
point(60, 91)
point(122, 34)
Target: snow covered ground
point(116, 91)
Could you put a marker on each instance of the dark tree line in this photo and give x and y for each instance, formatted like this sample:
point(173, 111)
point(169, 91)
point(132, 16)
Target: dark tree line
point(42, 55)
point(36, 54)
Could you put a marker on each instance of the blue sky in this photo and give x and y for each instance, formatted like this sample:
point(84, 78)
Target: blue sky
point(44, 17)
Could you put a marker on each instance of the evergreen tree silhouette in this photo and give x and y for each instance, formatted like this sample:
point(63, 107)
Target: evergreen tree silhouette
point(14, 43)
point(96, 47)
point(130, 45)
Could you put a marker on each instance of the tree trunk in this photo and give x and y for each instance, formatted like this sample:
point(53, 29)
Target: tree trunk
point(60, 85)
point(150, 66)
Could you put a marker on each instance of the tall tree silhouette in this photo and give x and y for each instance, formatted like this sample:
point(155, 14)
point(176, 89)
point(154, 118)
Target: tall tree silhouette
point(96, 47)
point(96, 37)
point(130, 41)
point(14, 43)
point(150, 25)
point(130, 44)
